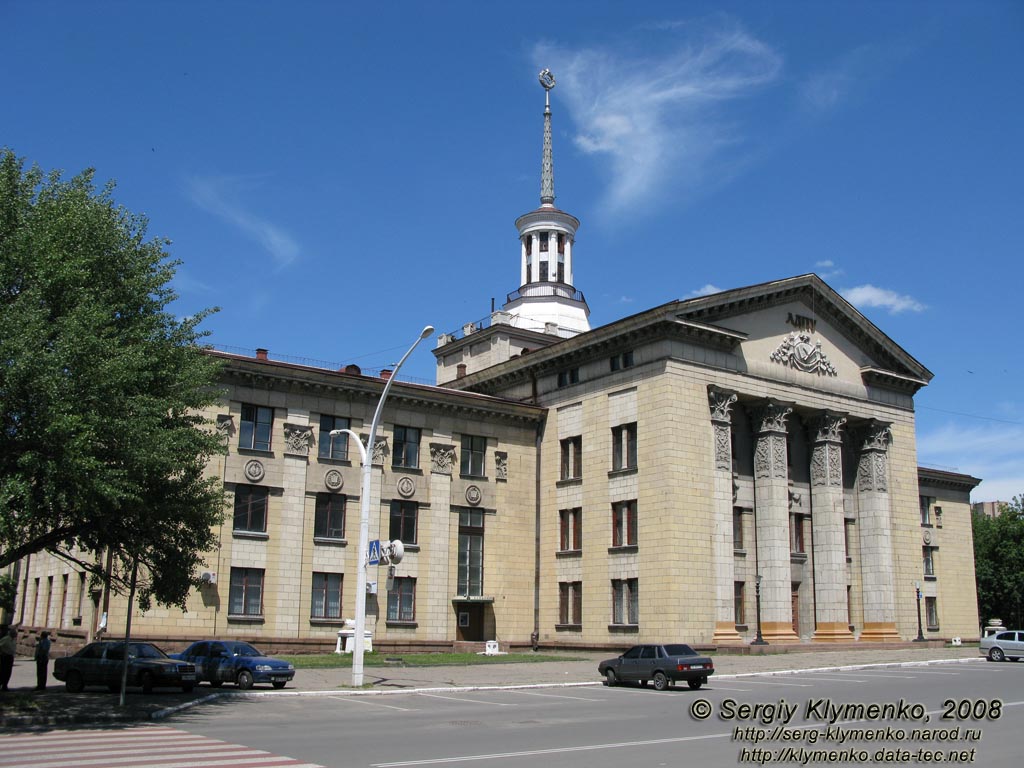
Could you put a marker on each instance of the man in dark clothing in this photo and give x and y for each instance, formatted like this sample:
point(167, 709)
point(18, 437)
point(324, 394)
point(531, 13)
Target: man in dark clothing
point(7, 650)
point(42, 656)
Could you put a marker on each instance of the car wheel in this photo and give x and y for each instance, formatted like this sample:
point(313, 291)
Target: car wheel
point(609, 677)
point(74, 683)
point(278, 683)
point(216, 683)
point(660, 681)
point(996, 654)
point(147, 682)
point(244, 680)
point(187, 687)
point(694, 684)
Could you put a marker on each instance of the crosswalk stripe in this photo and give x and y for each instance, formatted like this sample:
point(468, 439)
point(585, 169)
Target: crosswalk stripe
point(144, 746)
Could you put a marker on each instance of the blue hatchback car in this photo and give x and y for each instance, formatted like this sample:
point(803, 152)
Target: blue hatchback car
point(231, 661)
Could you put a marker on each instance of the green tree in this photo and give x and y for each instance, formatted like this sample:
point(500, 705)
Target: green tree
point(102, 449)
point(999, 564)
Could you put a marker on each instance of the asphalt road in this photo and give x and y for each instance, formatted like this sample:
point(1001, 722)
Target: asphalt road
point(595, 726)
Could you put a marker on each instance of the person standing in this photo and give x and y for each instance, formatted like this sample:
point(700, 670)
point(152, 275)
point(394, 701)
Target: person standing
point(42, 656)
point(8, 646)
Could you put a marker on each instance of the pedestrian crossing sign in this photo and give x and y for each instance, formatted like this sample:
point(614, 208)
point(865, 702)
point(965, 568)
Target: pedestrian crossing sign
point(374, 553)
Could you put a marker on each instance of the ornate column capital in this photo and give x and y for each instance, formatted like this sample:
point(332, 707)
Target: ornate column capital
point(875, 436)
point(873, 466)
point(770, 417)
point(826, 427)
point(720, 402)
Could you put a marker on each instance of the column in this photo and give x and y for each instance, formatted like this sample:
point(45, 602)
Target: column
point(771, 511)
point(721, 403)
point(522, 261)
point(828, 521)
point(875, 523)
point(568, 259)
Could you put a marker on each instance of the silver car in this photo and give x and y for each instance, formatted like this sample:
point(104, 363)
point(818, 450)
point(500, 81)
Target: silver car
point(1002, 646)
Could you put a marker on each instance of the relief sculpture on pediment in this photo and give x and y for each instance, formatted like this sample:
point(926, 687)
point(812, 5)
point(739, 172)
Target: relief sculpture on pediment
point(797, 351)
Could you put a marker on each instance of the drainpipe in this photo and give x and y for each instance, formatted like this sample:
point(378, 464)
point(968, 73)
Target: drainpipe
point(535, 635)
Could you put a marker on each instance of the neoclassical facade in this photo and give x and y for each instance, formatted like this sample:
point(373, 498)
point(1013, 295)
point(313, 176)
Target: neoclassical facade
point(697, 472)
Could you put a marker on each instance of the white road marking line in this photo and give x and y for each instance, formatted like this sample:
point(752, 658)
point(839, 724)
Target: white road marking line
point(354, 700)
point(470, 701)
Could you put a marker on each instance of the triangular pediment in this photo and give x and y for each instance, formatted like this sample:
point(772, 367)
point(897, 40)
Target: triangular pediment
point(802, 325)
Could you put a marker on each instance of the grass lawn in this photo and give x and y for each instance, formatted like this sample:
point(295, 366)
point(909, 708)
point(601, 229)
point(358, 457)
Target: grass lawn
point(330, 660)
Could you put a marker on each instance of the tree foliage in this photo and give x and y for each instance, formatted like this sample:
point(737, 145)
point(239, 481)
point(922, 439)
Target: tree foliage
point(101, 445)
point(999, 564)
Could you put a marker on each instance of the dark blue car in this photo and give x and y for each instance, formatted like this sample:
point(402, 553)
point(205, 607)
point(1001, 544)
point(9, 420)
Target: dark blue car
point(231, 661)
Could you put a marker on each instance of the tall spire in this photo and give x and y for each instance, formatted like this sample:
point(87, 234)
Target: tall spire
point(547, 167)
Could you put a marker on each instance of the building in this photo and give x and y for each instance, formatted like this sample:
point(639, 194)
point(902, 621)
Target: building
point(660, 476)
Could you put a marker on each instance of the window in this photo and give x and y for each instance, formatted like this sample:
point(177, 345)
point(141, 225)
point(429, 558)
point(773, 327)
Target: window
point(625, 602)
point(333, 447)
point(251, 508)
point(561, 243)
point(928, 556)
point(326, 596)
point(931, 610)
point(257, 425)
point(737, 529)
point(570, 376)
point(543, 271)
point(624, 447)
point(561, 271)
point(572, 458)
point(529, 245)
point(618, 362)
point(529, 269)
point(848, 539)
point(471, 553)
point(570, 603)
point(329, 522)
point(473, 450)
point(926, 510)
point(569, 520)
point(407, 447)
point(246, 594)
point(938, 517)
point(402, 600)
point(738, 608)
point(403, 521)
point(543, 242)
point(796, 534)
point(624, 524)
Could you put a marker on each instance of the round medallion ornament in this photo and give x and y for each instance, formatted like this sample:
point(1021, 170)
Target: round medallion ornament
point(927, 536)
point(254, 471)
point(333, 479)
point(473, 495)
point(406, 487)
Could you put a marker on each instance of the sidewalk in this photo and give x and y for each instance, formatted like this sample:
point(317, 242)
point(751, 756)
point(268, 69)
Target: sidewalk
point(24, 707)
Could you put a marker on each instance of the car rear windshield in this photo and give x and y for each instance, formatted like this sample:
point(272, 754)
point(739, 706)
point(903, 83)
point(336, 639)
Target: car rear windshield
point(679, 650)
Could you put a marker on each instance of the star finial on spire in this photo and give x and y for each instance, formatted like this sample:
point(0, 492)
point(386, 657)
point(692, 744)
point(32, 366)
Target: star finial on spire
point(547, 168)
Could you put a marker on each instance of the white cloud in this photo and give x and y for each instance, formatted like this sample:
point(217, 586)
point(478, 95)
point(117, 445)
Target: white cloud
point(220, 195)
point(827, 270)
point(705, 290)
point(659, 119)
point(825, 90)
point(871, 296)
point(994, 453)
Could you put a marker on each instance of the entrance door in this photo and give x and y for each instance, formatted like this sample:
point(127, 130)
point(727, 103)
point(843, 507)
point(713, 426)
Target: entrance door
point(470, 622)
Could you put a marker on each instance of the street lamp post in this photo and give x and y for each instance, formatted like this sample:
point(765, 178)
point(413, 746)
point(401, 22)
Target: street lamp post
point(920, 629)
point(366, 455)
point(759, 640)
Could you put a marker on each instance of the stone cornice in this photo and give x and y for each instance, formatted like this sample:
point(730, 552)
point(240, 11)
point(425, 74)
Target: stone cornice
point(947, 479)
point(278, 376)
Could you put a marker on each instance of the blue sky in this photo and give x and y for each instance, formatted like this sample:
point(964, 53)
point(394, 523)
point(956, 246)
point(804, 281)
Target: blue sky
point(335, 176)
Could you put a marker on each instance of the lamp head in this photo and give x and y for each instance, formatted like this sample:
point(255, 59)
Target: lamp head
point(427, 331)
